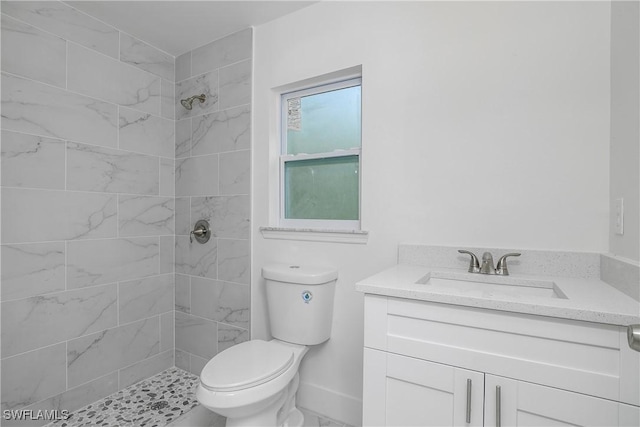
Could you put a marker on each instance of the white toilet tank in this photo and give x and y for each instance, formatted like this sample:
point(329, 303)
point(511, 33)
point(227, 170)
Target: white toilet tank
point(300, 302)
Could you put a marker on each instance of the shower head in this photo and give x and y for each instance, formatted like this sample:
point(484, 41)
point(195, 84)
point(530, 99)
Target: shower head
point(188, 103)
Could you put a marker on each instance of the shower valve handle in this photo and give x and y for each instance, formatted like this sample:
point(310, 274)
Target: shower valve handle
point(201, 232)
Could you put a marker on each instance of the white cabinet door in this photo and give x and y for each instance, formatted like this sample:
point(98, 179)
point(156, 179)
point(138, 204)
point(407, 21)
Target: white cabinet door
point(516, 403)
point(403, 391)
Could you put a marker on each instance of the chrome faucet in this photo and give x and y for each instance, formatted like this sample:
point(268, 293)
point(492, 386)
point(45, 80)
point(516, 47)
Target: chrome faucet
point(487, 263)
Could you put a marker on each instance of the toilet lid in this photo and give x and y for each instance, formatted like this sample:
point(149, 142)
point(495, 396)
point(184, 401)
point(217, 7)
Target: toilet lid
point(246, 365)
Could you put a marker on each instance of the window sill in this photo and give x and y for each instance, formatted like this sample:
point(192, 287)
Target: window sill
point(315, 235)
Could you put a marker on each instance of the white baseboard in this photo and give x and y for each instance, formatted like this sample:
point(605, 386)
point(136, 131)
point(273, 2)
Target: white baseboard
point(330, 403)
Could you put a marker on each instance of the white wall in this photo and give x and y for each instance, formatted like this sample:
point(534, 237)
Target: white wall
point(483, 124)
point(625, 126)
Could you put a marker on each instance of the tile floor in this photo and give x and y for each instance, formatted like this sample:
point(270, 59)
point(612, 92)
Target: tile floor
point(166, 399)
point(154, 402)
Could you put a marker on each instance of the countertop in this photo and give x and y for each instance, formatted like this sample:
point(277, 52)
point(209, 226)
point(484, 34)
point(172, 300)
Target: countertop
point(588, 300)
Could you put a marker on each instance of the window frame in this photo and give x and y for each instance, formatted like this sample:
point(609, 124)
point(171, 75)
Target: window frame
point(317, 224)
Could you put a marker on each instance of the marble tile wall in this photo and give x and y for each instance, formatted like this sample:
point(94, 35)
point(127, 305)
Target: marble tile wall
point(88, 209)
point(212, 149)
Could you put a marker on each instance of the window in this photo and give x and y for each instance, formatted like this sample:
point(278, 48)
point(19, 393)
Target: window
point(320, 157)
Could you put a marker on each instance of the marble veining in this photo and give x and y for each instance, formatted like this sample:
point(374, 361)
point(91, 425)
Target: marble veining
point(167, 177)
point(206, 84)
point(94, 355)
point(167, 101)
point(219, 53)
point(183, 216)
point(129, 258)
point(233, 260)
point(183, 293)
point(64, 21)
point(228, 336)
point(32, 161)
point(38, 109)
point(146, 368)
point(139, 299)
point(32, 53)
point(196, 259)
point(146, 57)
point(101, 77)
point(32, 269)
point(183, 138)
point(51, 318)
point(220, 301)
point(33, 376)
point(235, 85)
point(145, 215)
point(167, 331)
point(88, 187)
point(196, 335)
point(167, 254)
point(70, 215)
point(197, 176)
point(229, 216)
point(235, 172)
point(227, 130)
point(91, 168)
point(77, 397)
point(144, 133)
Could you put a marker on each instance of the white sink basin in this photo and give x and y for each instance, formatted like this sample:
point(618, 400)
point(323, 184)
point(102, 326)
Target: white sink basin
point(489, 285)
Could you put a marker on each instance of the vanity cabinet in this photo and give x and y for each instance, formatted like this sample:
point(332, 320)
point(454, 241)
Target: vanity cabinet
point(431, 364)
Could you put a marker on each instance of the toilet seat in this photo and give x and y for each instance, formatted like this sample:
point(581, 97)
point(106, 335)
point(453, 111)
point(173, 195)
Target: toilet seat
point(246, 365)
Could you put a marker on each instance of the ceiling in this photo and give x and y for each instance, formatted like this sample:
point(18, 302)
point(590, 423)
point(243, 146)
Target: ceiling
point(180, 26)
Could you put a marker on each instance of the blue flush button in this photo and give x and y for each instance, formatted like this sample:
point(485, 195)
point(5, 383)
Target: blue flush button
point(307, 296)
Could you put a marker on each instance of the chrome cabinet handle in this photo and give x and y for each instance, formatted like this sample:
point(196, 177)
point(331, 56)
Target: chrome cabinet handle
point(474, 264)
point(633, 336)
point(498, 392)
point(468, 401)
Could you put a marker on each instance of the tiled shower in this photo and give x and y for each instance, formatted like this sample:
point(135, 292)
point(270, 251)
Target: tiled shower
point(104, 174)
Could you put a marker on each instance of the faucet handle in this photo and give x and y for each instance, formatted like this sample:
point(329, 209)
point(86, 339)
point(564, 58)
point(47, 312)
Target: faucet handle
point(474, 264)
point(501, 268)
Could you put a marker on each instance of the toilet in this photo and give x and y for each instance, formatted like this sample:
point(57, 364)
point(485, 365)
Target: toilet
point(255, 383)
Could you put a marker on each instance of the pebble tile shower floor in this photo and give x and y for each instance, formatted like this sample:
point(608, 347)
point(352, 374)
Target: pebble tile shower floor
point(154, 402)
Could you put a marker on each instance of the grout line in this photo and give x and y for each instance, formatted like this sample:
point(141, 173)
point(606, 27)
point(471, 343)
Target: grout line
point(66, 365)
point(19, 76)
point(159, 336)
point(94, 240)
point(66, 164)
point(66, 65)
point(160, 189)
point(118, 129)
point(191, 137)
point(62, 190)
point(117, 304)
point(56, 292)
point(189, 289)
point(66, 265)
point(212, 70)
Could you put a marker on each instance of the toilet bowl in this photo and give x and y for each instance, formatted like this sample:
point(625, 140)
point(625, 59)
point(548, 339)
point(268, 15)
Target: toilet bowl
point(255, 383)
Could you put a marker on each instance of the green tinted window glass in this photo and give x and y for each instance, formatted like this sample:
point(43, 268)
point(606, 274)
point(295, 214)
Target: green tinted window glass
point(322, 188)
point(324, 122)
